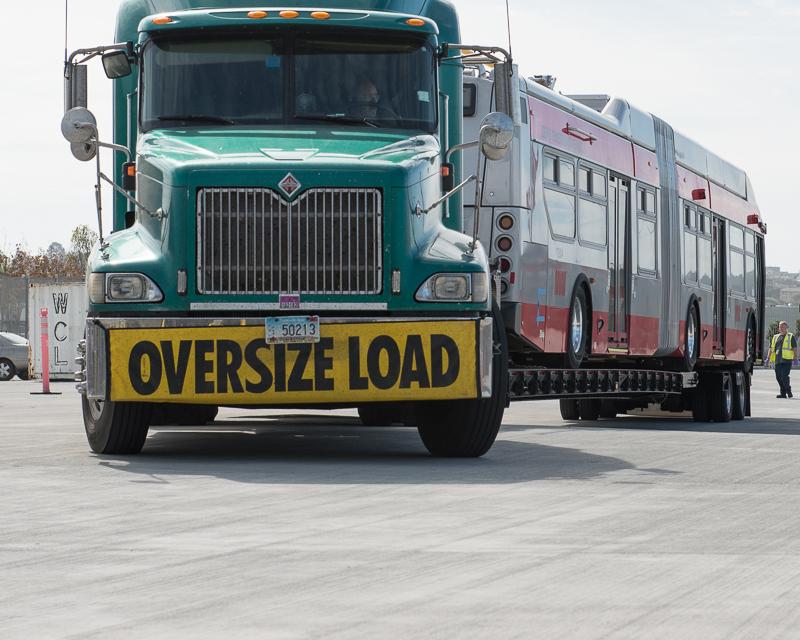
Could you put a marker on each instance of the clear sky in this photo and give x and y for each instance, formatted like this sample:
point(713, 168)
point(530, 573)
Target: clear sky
point(724, 72)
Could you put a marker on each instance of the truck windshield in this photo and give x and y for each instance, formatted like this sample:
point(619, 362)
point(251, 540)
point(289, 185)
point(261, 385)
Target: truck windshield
point(368, 81)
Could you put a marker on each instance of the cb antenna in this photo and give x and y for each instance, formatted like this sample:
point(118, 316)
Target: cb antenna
point(66, 34)
point(508, 27)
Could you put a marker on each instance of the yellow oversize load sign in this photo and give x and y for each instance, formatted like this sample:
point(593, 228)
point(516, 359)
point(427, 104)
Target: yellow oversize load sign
point(350, 363)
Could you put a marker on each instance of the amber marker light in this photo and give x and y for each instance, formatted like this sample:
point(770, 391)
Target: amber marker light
point(257, 15)
point(320, 15)
point(162, 20)
point(288, 14)
point(415, 22)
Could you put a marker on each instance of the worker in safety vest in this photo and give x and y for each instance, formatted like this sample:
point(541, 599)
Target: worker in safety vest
point(782, 353)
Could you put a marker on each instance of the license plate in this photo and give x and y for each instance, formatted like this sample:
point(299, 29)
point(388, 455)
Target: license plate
point(289, 329)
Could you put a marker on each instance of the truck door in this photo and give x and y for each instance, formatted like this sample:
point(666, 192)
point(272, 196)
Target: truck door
point(618, 261)
point(720, 282)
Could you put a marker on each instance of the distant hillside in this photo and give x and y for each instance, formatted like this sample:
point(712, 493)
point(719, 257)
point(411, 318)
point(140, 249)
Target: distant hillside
point(782, 287)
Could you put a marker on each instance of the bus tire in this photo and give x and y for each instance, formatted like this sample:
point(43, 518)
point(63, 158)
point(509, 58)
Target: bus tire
point(750, 345)
point(740, 393)
point(589, 409)
point(115, 427)
point(721, 397)
point(578, 333)
point(691, 339)
point(468, 428)
point(569, 409)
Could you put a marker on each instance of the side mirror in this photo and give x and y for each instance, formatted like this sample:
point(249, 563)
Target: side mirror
point(79, 127)
point(497, 133)
point(116, 64)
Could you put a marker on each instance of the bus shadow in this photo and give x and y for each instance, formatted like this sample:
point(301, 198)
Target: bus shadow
point(310, 450)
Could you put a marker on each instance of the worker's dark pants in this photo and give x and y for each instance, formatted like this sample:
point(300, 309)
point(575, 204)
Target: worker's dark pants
point(782, 371)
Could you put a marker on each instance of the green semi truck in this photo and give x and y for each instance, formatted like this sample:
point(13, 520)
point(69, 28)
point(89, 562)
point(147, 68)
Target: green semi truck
point(288, 225)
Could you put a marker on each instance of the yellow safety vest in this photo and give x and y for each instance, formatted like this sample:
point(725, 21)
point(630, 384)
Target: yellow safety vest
point(787, 353)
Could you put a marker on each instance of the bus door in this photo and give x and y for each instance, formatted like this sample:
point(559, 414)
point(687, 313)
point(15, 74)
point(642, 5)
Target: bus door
point(720, 283)
point(618, 260)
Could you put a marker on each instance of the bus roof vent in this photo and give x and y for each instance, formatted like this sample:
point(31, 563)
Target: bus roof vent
point(594, 101)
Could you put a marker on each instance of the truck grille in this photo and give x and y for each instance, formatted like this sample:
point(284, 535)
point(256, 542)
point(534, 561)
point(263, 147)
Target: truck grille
point(252, 241)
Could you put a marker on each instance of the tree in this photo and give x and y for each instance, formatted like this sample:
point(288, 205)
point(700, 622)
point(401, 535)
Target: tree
point(83, 239)
point(56, 251)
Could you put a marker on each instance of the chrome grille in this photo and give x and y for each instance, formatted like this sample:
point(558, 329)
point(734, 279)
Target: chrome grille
point(252, 241)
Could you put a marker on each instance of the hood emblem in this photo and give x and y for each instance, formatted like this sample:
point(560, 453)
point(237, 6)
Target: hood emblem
point(289, 185)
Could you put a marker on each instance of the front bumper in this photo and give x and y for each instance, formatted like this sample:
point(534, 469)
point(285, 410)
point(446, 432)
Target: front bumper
point(227, 361)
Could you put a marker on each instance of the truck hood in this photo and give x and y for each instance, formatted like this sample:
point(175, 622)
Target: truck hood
point(169, 156)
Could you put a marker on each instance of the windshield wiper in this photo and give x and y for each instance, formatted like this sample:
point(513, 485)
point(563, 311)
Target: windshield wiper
point(190, 117)
point(334, 117)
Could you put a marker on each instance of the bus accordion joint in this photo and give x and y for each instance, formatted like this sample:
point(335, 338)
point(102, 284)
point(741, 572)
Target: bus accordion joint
point(581, 135)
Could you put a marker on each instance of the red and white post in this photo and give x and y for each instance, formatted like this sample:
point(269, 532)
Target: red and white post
point(45, 334)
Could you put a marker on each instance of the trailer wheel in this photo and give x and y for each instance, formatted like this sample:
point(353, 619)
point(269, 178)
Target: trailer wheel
point(701, 409)
point(740, 395)
point(7, 370)
point(608, 409)
point(589, 409)
point(115, 427)
point(468, 428)
point(578, 330)
point(691, 341)
point(721, 397)
point(569, 409)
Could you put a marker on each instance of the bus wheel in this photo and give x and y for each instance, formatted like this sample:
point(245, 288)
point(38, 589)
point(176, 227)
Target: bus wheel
point(750, 346)
point(589, 409)
point(578, 329)
point(721, 397)
point(468, 428)
point(569, 409)
point(691, 342)
point(740, 393)
point(115, 427)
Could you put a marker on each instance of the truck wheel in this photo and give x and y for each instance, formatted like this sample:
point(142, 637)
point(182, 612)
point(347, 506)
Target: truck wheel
point(377, 415)
point(7, 370)
point(578, 329)
point(740, 392)
point(691, 341)
point(589, 409)
point(721, 397)
point(569, 409)
point(468, 428)
point(115, 427)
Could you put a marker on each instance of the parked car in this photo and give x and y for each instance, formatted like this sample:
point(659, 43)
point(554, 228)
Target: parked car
point(15, 356)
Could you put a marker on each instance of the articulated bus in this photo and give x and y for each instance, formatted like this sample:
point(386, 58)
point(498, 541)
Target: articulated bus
point(620, 244)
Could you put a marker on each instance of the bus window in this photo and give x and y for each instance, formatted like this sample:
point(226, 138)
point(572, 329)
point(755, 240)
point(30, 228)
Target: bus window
point(736, 271)
point(737, 237)
point(566, 173)
point(690, 257)
point(646, 237)
point(598, 185)
point(704, 261)
point(561, 210)
point(749, 242)
point(585, 176)
point(750, 276)
point(593, 223)
point(549, 168)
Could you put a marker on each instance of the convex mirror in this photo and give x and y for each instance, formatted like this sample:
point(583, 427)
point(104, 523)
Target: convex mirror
point(78, 125)
point(497, 133)
point(116, 64)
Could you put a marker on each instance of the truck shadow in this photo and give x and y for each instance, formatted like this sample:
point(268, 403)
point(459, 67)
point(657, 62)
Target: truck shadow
point(754, 426)
point(336, 450)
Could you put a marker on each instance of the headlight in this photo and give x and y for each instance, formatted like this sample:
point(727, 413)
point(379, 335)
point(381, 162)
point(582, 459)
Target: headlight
point(455, 287)
point(122, 287)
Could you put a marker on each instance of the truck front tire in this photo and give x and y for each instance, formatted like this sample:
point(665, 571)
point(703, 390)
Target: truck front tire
point(468, 428)
point(115, 427)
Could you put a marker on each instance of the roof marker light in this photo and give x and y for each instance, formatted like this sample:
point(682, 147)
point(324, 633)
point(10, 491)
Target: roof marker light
point(320, 15)
point(288, 14)
point(162, 20)
point(415, 22)
point(257, 15)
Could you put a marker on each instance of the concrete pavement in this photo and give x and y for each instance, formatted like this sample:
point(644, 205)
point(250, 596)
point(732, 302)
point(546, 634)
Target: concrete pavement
point(286, 524)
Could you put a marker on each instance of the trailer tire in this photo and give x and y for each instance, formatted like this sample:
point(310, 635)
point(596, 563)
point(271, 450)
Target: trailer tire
point(376, 415)
point(721, 397)
point(608, 409)
point(115, 427)
point(468, 428)
point(589, 409)
point(740, 396)
point(7, 370)
point(569, 409)
point(701, 411)
point(691, 339)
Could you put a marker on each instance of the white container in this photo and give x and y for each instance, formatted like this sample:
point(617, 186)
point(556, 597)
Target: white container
point(67, 305)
